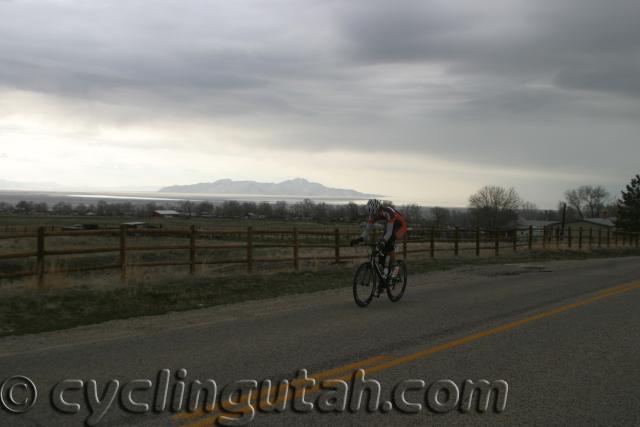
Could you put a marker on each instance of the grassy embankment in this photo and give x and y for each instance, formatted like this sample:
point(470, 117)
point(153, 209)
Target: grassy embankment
point(31, 310)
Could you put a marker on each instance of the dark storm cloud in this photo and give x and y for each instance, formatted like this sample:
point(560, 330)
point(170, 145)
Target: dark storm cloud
point(622, 77)
point(526, 83)
point(83, 49)
point(183, 53)
point(588, 44)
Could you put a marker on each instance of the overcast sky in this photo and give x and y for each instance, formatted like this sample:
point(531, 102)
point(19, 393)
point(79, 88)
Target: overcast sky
point(424, 101)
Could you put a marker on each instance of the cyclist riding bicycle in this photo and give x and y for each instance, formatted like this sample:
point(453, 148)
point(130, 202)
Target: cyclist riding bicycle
point(396, 227)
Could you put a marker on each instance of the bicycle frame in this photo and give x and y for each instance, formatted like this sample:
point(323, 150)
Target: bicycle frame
point(364, 277)
point(374, 257)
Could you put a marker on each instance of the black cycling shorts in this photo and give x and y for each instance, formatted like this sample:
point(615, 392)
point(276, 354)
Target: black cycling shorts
point(390, 245)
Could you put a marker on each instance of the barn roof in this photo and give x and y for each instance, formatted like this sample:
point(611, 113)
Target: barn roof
point(166, 212)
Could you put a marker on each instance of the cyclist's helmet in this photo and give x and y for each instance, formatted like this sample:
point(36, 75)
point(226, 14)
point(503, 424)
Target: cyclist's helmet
point(373, 205)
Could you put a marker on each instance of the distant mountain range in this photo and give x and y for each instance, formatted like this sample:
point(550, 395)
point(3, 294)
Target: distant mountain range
point(292, 187)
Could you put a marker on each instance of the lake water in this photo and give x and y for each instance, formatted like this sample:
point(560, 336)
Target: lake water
point(177, 197)
point(52, 197)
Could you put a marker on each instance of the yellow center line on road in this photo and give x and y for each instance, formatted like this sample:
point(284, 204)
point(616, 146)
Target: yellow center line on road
point(388, 362)
point(503, 328)
point(320, 375)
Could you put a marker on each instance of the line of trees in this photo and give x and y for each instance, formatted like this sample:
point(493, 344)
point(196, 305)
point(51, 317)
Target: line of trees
point(496, 207)
point(489, 207)
point(307, 209)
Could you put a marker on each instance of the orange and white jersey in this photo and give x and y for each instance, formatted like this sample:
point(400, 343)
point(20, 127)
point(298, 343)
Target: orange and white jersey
point(395, 222)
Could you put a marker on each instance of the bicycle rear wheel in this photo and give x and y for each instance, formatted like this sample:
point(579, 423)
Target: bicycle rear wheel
point(364, 284)
point(396, 287)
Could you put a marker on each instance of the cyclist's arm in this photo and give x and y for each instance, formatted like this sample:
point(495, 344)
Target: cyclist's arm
point(388, 231)
point(367, 229)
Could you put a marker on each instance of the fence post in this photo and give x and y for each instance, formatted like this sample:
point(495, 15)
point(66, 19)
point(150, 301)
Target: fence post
point(497, 242)
point(192, 249)
point(296, 264)
point(337, 242)
point(624, 239)
point(569, 239)
point(515, 240)
point(432, 243)
point(544, 237)
point(477, 241)
point(40, 257)
point(250, 249)
point(557, 237)
point(456, 239)
point(637, 243)
point(580, 238)
point(530, 237)
point(123, 252)
point(608, 238)
point(404, 246)
point(615, 239)
point(599, 237)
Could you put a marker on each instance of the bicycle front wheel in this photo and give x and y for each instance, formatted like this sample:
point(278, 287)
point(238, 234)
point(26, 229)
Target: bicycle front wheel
point(364, 284)
point(397, 285)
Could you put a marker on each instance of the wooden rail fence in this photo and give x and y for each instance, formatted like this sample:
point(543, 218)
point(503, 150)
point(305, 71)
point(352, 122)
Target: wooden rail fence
point(428, 241)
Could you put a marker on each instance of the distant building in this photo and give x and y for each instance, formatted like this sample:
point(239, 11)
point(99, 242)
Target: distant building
point(81, 227)
point(164, 213)
point(595, 223)
point(251, 215)
point(138, 224)
point(537, 226)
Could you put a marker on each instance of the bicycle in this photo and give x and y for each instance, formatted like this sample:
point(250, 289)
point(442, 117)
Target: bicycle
point(369, 280)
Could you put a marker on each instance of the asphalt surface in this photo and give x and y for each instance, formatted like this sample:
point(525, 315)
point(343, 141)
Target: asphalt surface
point(564, 336)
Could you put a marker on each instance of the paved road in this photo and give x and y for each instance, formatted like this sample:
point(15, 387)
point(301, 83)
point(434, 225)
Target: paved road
point(564, 336)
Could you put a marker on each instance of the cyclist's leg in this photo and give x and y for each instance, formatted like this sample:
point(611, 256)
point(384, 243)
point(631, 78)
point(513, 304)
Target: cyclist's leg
point(389, 250)
point(399, 232)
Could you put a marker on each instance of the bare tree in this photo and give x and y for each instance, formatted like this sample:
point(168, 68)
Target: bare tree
point(587, 200)
point(265, 209)
point(494, 206)
point(412, 213)
point(231, 209)
point(353, 211)
point(441, 216)
point(280, 209)
point(596, 199)
point(62, 208)
point(308, 207)
point(203, 208)
point(574, 200)
point(529, 210)
point(186, 207)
